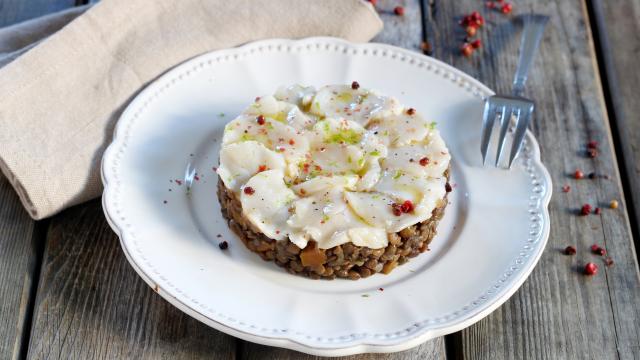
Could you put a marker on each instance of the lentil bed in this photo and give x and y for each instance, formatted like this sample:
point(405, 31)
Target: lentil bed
point(344, 261)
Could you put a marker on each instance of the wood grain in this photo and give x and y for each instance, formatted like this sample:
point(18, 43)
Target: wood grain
point(403, 31)
point(618, 36)
point(19, 241)
point(558, 313)
point(18, 265)
point(13, 11)
point(91, 304)
point(433, 349)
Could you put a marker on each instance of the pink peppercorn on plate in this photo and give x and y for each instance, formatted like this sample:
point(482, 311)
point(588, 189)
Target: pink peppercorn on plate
point(174, 234)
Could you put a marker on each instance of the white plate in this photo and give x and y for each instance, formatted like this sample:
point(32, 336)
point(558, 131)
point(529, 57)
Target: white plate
point(490, 239)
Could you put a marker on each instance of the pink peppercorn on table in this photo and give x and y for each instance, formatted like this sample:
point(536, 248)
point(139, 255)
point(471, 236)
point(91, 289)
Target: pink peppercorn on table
point(67, 291)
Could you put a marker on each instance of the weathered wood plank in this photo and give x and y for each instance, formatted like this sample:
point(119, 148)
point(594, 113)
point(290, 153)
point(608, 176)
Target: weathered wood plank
point(14, 11)
point(19, 241)
point(558, 313)
point(91, 304)
point(404, 31)
point(617, 27)
point(430, 350)
point(18, 264)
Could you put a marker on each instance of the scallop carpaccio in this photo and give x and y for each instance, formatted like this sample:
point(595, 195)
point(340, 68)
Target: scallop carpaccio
point(338, 181)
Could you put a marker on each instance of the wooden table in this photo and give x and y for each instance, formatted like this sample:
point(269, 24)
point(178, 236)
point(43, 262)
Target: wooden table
point(66, 290)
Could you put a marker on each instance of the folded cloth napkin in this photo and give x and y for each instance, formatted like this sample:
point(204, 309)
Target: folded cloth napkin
point(60, 98)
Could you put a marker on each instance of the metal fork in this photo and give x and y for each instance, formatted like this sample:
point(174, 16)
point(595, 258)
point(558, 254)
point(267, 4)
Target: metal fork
point(505, 107)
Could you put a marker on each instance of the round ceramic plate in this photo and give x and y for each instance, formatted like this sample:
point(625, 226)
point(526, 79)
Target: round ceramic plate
point(491, 237)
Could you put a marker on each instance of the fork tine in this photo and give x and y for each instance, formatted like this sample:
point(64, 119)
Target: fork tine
point(505, 120)
point(488, 119)
point(521, 129)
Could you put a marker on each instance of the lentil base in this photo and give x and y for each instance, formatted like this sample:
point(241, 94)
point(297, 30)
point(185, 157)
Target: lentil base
point(344, 261)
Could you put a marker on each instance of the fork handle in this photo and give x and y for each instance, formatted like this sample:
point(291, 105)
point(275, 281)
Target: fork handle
point(531, 35)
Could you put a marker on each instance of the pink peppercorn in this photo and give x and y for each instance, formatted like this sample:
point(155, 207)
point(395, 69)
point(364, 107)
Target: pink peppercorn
point(466, 49)
point(590, 269)
point(471, 30)
point(507, 8)
point(608, 261)
point(407, 206)
point(596, 249)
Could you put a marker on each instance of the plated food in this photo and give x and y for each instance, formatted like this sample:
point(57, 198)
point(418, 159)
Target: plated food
point(335, 182)
point(170, 233)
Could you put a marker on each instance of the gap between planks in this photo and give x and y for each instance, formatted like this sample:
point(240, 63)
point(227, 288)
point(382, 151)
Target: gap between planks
point(605, 65)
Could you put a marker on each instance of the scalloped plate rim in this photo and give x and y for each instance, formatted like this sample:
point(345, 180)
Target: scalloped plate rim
point(366, 345)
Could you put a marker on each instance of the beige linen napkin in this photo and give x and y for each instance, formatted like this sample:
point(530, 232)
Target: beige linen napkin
point(60, 99)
